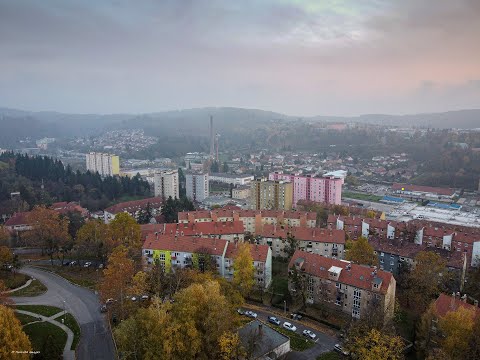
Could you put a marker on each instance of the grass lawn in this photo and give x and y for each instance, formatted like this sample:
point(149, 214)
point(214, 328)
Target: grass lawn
point(331, 355)
point(86, 277)
point(25, 319)
point(73, 325)
point(44, 310)
point(298, 342)
point(11, 280)
point(38, 332)
point(35, 288)
point(360, 196)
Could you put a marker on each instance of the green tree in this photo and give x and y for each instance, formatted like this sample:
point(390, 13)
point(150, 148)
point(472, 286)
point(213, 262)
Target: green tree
point(291, 245)
point(145, 215)
point(243, 269)
point(225, 167)
point(50, 349)
point(424, 340)
point(361, 252)
point(94, 239)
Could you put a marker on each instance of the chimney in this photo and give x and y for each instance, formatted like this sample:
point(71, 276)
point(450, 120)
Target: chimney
point(452, 302)
point(475, 302)
point(464, 298)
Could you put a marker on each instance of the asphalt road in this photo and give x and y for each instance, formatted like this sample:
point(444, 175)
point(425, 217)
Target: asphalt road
point(96, 341)
point(324, 344)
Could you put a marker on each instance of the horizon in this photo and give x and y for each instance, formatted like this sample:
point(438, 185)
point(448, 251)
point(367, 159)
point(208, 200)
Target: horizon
point(298, 57)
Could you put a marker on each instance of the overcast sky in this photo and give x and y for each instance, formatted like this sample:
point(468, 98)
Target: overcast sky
point(299, 57)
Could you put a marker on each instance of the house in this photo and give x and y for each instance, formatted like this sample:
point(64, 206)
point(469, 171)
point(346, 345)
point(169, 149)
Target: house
point(446, 303)
point(329, 243)
point(67, 207)
point(133, 208)
point(352, 289)
point(18, 222)
point(261, 342)
point(178, 252)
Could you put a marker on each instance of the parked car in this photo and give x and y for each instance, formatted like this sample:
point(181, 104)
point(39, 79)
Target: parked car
point(133, 298)
point(296, 317)
point(309, 334)
point(289, 326)
point(109, 301)
point(66, 263)
point(87, 264)
point(103, 308)
point(144, 297)
point(338, 348)
point(274, 320)
point(240, 311)
point(251, 314)
point(73, 263)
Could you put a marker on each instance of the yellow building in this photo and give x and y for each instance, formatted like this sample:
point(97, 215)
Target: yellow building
point(271, 195)
point(115, 165)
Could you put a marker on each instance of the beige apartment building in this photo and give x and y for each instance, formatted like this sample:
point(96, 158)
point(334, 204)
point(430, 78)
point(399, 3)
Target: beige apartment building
point(166, 184)
point(271, 195)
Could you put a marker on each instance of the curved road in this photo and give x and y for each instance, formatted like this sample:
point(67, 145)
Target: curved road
point(96, 341)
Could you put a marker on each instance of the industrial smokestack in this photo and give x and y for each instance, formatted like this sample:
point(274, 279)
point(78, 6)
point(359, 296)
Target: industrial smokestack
point(212, 138)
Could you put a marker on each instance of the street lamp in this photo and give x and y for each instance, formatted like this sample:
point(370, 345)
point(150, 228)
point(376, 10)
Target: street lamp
point(63, 320)
point(285, 306)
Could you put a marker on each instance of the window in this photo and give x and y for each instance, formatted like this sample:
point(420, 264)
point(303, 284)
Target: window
point(356, 313)
point(356, 303)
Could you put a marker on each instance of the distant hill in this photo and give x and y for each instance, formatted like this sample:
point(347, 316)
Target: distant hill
point(16, 124)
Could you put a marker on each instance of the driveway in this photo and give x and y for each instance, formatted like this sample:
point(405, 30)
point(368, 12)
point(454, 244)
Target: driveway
point(96, 341)
point(324, 344)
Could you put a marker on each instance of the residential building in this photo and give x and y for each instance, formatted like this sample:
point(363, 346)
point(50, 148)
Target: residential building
point(271, 195)
point(230, 231)
point(329, 243)
point(241, 192)
point(231, 178)
point(133, 208)
point(252, 220)
point(166, 184)
point(197, 186)
point(68, 207)
point(447, 303)
point(175, 252)
point(104, 164)
point(318, 189)
point(261, 342)
point(352, 289)
point(18, 222)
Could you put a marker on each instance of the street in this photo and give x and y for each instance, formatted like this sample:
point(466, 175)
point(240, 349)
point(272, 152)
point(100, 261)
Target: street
point(96, 341)
point(324, 344)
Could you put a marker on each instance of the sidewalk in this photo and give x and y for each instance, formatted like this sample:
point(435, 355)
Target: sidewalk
point(67, 353)
point(20, 287)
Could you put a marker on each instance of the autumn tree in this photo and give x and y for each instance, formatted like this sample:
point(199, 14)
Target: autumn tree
point(4, 236)
point(291, 245)
point(49, 230)
point(299, 286)
point(139, 284)
point(377, 346)
point(94, 238)
point(230, 346)
point(12, 337)
point(424, 337)
point(117, 278)
point(473, 352)
point(6, 256)
point(361, 252)
point(456, 328)
point(125, 231)
point(425, 280)
point(243, 269)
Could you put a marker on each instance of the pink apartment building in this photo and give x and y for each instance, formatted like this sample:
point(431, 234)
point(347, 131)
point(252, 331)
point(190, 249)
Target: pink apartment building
point(319, 189)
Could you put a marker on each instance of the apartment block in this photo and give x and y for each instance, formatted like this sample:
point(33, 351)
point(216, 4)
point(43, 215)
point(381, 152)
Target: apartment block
point(271, 195)
point(329, 243)
point(104, 164)
point(178, 252)
point(197, 186)
point(327, 189)
point(231, 178)
point(252, 220)
point(166, 184)
point(352, 289)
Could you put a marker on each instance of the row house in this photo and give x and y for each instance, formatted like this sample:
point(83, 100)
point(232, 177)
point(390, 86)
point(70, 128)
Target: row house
point(18, 222)
point(230, 231)
point(133, 208)
point(352, 289)
point(252, 219)
point(330, 243)
point(178, 252)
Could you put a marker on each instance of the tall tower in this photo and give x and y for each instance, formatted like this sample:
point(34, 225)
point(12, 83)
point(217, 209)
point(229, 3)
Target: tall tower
point(212, 139)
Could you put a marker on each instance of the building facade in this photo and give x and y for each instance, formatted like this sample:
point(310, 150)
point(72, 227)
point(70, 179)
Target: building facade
point(231, 178)
point(271, 195)
point(241, 192)
point(318, 189)
point(352, 289)
point(104, 164)
point(166, 184)
point(197, 186)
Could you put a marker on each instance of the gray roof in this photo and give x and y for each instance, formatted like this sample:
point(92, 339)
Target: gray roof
point(261, 339)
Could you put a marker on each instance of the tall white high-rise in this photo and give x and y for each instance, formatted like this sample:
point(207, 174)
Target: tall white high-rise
point(197, 186)
point(104, 164)
point(166, 184)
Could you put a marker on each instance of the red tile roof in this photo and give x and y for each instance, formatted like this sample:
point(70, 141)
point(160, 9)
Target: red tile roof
point(446, 303)
point(358, 275)
point(64, 207)
point(133, 206)
point(303, 233)
point(426, 189)
point(205, 228)
point(228, 212)
point(258, 252)
point(20, 218)
point(185, 244)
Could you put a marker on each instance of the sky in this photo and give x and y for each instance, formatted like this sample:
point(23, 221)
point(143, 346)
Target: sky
point(298, 57)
